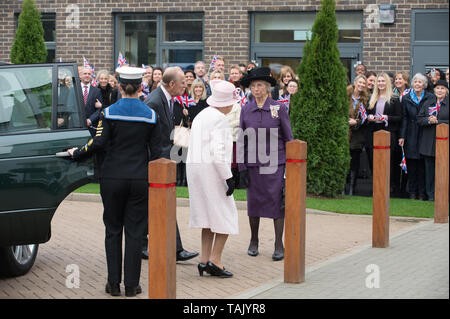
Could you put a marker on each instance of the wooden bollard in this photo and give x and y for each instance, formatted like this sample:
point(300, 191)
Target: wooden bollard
point(441, 178)
point(295, 212)
point(381, 188)
point(162, 229)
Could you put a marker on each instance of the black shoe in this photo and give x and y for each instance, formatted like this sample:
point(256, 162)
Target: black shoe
point(253, 253)
point(277, 256)
point(422, 197)
point(185, 255)
point(213, 270)
point(133, 291)
point(201, 268)
point(412, 196)
point(113, 289)
point(144, 254)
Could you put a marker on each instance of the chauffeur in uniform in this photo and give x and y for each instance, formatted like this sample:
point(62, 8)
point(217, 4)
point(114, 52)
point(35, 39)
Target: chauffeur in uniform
point(128, 131)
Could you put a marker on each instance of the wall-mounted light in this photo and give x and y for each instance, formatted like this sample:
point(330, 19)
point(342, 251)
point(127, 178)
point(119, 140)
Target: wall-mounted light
point(386, 13)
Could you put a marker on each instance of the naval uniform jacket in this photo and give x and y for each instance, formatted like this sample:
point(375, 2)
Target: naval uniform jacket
point(129, 133)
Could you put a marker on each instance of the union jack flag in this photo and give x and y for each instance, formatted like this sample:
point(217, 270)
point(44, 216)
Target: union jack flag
point(285, 98)
point(178, 99)
point(243, 101)
point(405, 92)
point(403, 162)
point(145, 90)
point(86, 63)
point(214, 60)
point(189, 101)
point(121, 61)
point(432, 110)
point(362, 113)
point(94, 82)
point(380, 117)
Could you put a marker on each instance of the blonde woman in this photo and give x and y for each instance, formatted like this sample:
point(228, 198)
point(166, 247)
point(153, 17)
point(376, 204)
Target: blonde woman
point(358, 99)
point(112, 81)
point(198, 93)
point(385, 113)
point(109, 94)
point(286, 74)
point(217, 75)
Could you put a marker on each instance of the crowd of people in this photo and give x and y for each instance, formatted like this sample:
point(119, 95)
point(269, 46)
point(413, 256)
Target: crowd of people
point(410, 111)
point(153, 102)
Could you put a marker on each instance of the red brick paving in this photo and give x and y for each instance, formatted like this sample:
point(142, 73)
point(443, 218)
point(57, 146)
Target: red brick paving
point(78, 238)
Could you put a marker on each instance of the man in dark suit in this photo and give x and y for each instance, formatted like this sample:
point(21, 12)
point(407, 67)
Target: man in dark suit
point(92, 99)
point(161, 101)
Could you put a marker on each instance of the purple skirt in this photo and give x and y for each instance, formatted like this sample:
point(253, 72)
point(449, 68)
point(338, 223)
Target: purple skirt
point(264, 193)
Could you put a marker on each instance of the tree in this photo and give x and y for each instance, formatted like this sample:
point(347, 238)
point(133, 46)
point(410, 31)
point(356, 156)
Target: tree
point(29, 45)
point(319, 113)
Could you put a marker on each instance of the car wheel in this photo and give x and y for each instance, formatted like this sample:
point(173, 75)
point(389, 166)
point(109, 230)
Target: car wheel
point(17, 260)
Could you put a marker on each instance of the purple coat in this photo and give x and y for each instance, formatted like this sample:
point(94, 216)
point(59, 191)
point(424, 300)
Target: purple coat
point(254, 118)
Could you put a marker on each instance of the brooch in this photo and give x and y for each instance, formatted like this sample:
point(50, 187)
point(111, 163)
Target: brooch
point(274, 111)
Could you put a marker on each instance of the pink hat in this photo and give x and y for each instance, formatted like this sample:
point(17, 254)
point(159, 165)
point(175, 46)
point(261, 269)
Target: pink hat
point(223, 94)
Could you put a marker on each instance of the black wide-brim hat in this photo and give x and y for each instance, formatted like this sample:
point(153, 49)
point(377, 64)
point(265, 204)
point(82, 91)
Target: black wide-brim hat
point(441, 82)
point(262, 74)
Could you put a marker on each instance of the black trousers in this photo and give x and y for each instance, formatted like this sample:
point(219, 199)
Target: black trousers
point(416, 176)
point(396, 170)
point(125, 205)
point(429, 162)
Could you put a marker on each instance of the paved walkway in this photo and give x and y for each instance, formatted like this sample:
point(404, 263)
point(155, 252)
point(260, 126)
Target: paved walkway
point(415, 265)
point(78, 240)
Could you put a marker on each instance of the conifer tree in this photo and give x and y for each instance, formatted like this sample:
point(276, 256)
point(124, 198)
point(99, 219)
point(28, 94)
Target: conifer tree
point(319, 112)
point(29, 45)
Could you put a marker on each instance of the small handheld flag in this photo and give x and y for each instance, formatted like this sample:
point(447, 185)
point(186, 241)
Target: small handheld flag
point(213, 62)
point(121, 61)
point(362, 113)
point(381, 117)
point(403, 162)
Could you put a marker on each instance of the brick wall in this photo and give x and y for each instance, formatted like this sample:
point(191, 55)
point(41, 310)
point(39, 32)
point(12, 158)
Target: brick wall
point(226, 27)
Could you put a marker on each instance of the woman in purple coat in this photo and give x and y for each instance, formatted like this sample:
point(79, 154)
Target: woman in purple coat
point(261, 155)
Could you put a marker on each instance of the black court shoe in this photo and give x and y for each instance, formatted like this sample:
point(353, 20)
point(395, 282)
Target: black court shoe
point(213, 270)
point(113, 289)
point(201, 268)
point(133, 291)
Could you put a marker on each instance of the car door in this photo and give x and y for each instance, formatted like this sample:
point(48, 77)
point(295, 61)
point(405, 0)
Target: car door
point(40, 114)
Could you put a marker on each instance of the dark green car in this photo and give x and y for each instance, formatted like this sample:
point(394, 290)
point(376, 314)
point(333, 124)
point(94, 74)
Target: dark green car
point(41, 114)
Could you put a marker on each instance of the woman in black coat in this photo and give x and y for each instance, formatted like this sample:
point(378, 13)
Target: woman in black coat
point(411, 133)
point(433, 112)
point(358, 99)
point(385, 113)
point(109, 95)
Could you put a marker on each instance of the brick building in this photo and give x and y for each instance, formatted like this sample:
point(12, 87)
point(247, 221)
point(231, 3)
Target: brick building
point(271, 32)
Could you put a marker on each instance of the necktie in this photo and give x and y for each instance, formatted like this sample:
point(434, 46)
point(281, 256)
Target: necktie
point(171, 106)
point(85, 94)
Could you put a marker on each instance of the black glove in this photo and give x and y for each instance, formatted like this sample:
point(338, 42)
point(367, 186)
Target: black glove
point(230, 183)
point(244, 181)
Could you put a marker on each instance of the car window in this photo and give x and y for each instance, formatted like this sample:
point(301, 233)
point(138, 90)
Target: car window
point(67, 108)
point(25, 99)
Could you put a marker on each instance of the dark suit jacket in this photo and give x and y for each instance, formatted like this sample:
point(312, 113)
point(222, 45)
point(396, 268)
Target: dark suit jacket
point(158, 102)
point(91, 112)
